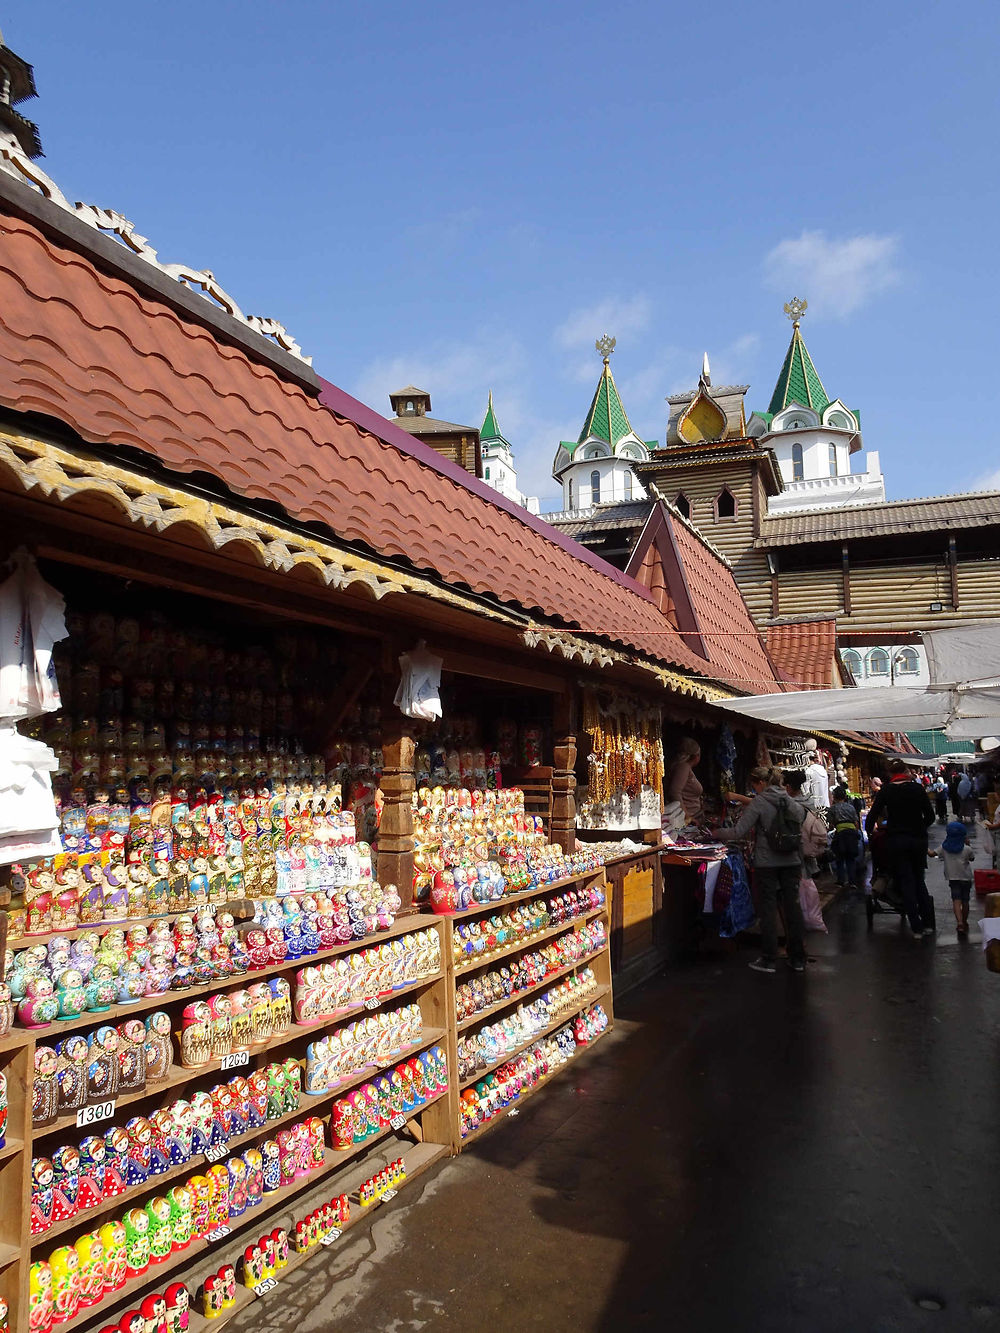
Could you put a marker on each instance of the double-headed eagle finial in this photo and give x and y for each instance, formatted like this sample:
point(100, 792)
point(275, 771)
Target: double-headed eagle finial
point(605, 346)
point(795, 309)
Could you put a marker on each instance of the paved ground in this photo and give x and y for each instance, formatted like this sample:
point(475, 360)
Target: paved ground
point(743, 1153)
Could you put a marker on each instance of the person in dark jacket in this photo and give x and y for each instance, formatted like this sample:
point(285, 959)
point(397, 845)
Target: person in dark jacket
point(904, 805)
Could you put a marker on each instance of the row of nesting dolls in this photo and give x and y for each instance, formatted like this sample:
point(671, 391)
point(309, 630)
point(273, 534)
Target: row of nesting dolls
point(367, 1042)
point(162, 1312)
point(387, 1099)
point(166, 1224)
point(328, 989)
point(75, 1179)
point(478, 940)
point(497, 1091)
point(496, 1041)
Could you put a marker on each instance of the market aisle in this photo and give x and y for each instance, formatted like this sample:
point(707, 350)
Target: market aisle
point(745, 1152)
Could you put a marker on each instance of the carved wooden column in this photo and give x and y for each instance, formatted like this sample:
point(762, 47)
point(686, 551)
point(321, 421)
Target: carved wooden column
point(395, 839)
point(563, 824)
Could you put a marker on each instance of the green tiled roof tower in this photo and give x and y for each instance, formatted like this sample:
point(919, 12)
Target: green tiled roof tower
point(490, 430)
point(606, 419)
point(798, 381)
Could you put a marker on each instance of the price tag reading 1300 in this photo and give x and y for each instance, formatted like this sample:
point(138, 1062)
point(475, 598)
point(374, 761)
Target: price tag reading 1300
point(90, 1115)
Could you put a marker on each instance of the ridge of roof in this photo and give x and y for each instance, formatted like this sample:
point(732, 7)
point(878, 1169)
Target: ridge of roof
point(606, 418)
point(717, 390)
point(658, 494)
point(798, 380)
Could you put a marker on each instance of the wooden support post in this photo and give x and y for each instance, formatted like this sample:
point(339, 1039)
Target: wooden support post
point(563, 824)
point(772, 564)
point(395, 838)
point(953, 571)
point(845, 566)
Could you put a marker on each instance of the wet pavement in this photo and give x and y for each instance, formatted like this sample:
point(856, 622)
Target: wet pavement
point(743, 1152)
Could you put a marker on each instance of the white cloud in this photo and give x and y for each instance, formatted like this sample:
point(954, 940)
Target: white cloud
point(622, 318)
point(458, 377)
point(987, 481)
point(837, 277)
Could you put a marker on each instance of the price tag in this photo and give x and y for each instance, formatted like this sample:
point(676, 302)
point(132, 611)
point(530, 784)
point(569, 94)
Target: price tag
point(513, 1111)
point(90, 1115)
point(389, 1194)
point(235, 1061)
point(268, 1284)
point(372, 1002)
point(331, 1236)
point(216, 1153)
point(218, 1234)
point(397, 1122)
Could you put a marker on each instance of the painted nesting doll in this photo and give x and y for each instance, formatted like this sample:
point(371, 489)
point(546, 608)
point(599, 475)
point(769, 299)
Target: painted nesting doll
point(44, 1088)
point(113, 1240)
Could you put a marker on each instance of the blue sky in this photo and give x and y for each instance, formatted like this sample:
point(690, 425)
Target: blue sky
point(466, 196)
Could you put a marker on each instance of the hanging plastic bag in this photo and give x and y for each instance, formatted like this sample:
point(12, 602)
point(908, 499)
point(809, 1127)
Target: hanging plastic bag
point(32, 619)
point(812, 914)
point(419, 692)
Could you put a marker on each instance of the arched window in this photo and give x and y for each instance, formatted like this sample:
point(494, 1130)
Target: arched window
point(798, 472)
point(852, 660)
point(907, 662)
point(725, 504)
point(833, 460)
point(878, 662)
point(571, 492)
point(595, 487)
point(628, 484)
point(683, 504)
point(595, 451)
point(409, 407)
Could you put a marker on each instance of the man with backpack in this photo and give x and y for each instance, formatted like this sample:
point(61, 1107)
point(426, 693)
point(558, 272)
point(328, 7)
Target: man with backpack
point(777, 865)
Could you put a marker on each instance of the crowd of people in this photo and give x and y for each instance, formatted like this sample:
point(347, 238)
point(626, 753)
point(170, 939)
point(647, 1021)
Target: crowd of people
point(878, 846)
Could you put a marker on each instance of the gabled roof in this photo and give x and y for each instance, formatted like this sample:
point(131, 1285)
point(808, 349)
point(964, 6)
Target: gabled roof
point(805, 652)
point(490, 430)
point(696, 589)
point(606, 419)
point(798, 381)
point(82, 346)
point(890, 518)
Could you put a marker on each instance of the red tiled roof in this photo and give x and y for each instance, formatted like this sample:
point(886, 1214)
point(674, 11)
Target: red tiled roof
point(805, 652)
point(698, 591)
point(83, 346)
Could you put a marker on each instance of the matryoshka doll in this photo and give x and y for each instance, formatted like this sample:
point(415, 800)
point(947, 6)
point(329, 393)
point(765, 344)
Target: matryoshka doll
point(203, 1125)
point(161, 1236)
point(254, 1161)
point(116, 893)
point(195, 1036)
point(252, 1265)
point(261, 1012)
point(154, 1313)
point(140, 1136)
point(40, 1004)
point(181, 1201)
point(103, 1070)
point(200, 1191)
point(42, 1176)
point(44, 1088)
point(131, 1055)
point(40, 1310)
point(271, 1165)
point(242, 1027)
point(6, 1009)
point(268, 1266)
point(65, 1265)
point(93, 1160)
point(90, 1256)
point(131, 1322)
point(112, 1236)
point(237, 1169)
point(280, 1238)
point(178, 1303)
point(257, 1085)
point(222, 1026)
point(159, 1051)
point(211, 1297)
point(136, 1225)
point(281, 1005)
point(65, 1182)
point(218, 1184)
point(116, 1148)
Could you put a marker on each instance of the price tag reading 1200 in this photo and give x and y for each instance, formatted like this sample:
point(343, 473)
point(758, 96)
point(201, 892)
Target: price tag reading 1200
point(90, 1115)
point(235, 1061)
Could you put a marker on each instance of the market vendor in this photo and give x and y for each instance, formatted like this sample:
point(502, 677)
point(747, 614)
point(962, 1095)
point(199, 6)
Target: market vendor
point(680, 785)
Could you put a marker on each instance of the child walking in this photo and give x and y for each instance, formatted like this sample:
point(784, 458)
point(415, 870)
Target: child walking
point(957, 857)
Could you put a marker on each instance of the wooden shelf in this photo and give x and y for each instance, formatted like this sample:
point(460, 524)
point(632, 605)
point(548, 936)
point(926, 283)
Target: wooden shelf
point(9, 1254)
point(565, 1017)
point(87, 1221)
point(556, 886)
point(11, 1147)
point(530, 1092)
point(178, 1074)
point(508, 1000)
point(404, 926)
point(483, 960)
point(125, 1296)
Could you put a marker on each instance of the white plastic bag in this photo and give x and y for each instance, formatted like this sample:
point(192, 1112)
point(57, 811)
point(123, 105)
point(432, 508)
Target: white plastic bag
point(419, 693)
point(812, 916)
point(32, 619)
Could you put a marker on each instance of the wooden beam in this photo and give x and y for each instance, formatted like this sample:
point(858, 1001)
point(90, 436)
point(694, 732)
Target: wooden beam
point(845, 567)
point(953, 571)
point(772, 561)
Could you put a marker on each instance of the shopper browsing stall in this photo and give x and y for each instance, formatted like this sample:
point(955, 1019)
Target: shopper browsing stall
point(908, 813)
point(777, 820)
point(681, 786)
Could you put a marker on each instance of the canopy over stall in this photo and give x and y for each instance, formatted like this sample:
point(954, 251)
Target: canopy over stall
point(963, 697)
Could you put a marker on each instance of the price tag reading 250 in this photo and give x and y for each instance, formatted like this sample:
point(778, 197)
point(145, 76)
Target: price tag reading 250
point(90, 1115)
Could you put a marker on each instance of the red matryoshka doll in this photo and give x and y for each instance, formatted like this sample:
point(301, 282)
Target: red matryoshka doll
point(200, 1189)
point(40, 1004)
point(116, 1146)
point(140, 1141)
point(131, 1055)
point(204, 1132)
point(240, 1089)
point(252, 1266)
point(342, 1121)
point(65, 1265)
point(65, 1182)
point(44, 1088)
point(154, 1314)
point(195, 1036)
point(211, 1297)
point(112, 1237)
point(93, 1160)
point(161, 1236)
point(38, 889)
point(227, 1275)
point(218, 1185)
point(178, 1303)
point(280, 1238)
point(222, 1025)
point(40, 1309)
point(300, 1236)
point(42, 1194)
point(268, 1265)
point(288, 1146)
point(90, 1257)
point(257, 1085)
point(131, 1322)
point(315, 1137)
